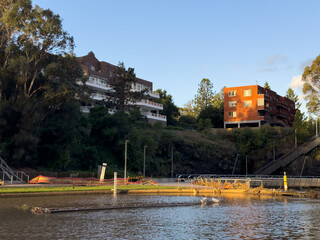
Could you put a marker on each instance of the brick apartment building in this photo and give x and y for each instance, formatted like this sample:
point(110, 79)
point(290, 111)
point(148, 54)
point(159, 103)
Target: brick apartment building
point(253, 106)
point(100, 79)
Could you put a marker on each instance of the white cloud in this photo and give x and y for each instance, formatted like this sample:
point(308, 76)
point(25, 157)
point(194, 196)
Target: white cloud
point(296, 83)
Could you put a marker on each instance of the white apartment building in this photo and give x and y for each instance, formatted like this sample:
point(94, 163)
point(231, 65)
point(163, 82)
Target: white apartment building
point(100, 79)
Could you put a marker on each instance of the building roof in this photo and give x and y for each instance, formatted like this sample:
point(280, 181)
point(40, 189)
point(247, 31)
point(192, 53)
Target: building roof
point(92, 66)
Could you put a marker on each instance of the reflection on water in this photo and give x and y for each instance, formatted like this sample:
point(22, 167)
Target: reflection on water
point(235, 217)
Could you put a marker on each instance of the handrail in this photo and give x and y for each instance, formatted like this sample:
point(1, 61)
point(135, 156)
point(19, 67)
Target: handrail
point(291, 156)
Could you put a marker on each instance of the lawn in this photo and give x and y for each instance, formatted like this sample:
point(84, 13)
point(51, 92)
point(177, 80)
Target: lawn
point(48, 188)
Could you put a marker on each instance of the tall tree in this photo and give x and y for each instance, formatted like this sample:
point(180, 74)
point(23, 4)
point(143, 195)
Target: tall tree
point(311, 86)
point(124, 79)
point(266, 85)
point(188, 109)
point(38, 74)
point(295, 98)
point(204, 96)
point(169, 108)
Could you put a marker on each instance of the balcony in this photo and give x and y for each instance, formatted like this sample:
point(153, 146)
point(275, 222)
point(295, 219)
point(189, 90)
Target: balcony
point(155, 116)
point(282, 104)
point(149, 104)
point(153, 94)
point(85, 109)
point(99, 96)
point(99, 86)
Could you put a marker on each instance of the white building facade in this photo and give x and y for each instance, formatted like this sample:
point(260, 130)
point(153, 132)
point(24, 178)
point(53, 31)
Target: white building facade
point(100, 78)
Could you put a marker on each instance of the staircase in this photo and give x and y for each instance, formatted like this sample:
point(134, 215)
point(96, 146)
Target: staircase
point(7, 175)
point(289, 157)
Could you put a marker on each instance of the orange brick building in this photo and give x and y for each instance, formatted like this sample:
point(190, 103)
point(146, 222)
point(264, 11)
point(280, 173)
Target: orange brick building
point(253, 106)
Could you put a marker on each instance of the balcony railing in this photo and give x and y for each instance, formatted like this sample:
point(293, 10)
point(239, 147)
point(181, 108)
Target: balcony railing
point(98, 96)
point(153, 94)
point(99, 85)
point(156, 116)
point(150, 104)
point(85, 109)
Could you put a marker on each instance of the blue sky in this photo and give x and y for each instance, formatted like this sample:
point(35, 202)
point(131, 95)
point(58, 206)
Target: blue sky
point(176, 43)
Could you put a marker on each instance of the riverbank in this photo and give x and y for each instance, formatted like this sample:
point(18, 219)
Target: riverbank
point(10, 191)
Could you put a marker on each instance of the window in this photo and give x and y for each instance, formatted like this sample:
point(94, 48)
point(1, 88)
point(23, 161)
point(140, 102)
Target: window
point(232, 114)
point(247, 103)
point(232, 93)
point(232, 103)
point(247, 93)
point(92, 68)
point(260, 101)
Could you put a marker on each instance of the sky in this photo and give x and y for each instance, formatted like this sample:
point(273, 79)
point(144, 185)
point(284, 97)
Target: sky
point(176, 43)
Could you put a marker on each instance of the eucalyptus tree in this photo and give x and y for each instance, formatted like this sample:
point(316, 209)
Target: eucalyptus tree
point(311, 86)
point(38, 75)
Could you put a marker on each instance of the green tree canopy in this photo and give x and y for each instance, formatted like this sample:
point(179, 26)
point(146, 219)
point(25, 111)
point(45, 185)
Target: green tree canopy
point(123, 96)
point(204, 96)
point(311, 86)
point(169, 108)
point(295, 98)
point(38, 76)
point(266, 85)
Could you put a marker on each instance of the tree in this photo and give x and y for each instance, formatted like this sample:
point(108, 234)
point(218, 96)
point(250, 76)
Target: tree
point(214, 114)
point(169, 108)
point(311, 86)
point(292, 96)
point(29, 35)
point(267, 86)
point(218, 100)
point(204, 96)
point(124, 79)
point(188, 109)
point(38, 75)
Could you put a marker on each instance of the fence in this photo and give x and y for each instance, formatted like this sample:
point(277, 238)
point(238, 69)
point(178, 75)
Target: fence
point(267, 181)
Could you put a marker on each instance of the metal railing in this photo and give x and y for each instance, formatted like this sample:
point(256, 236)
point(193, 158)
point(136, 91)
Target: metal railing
point(267, 181)
point(11, 176)
point(289, 157)
point(17, 177)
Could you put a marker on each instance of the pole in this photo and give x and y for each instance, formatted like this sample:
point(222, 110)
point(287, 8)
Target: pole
point(235, 163)
point(172, 162)
point(274, 151)
point(317, 127)
point(295, 138)
point(103, 171)
point(285, 184)
point(115, 183)
point(125, 159)
point(246, 165)
point(304, 162)
point(144, 161)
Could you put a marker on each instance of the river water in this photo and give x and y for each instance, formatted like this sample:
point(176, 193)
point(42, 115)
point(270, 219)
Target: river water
point(235, 217)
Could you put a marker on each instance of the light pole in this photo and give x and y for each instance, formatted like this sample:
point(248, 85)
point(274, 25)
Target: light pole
point(144, 161)
point(172, 162)
point(246, 165)
point(235, 163)
point(125, 159)
point(295, 138)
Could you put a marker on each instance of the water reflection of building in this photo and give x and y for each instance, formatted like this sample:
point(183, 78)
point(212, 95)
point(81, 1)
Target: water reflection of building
point(100, 79)
point(253, 106)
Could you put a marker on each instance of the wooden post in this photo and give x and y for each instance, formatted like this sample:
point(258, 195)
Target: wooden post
point(103, 171)
point(115, 183)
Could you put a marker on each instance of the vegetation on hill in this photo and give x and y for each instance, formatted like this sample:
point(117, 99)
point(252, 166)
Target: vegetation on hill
point(41, 86)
